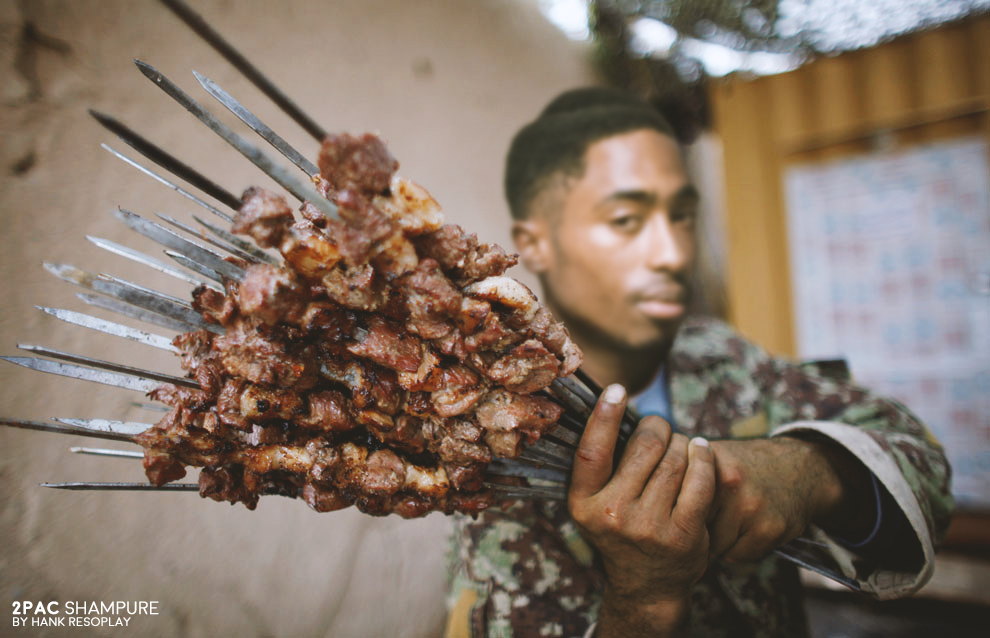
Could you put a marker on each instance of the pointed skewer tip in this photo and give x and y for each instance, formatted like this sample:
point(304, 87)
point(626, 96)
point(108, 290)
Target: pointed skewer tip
point(106, 120)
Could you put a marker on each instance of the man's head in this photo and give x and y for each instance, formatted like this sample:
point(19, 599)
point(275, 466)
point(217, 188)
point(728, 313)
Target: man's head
point(605, 217)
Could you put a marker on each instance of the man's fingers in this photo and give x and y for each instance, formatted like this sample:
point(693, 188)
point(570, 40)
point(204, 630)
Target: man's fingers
point(664, 485)
point(724, 531)
point(750, 548)
point(698, 489)
point(643, 451)
point(593, 458)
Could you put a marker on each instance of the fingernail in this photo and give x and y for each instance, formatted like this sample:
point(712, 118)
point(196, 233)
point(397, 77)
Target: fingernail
point(614, 393)
point(700, 442)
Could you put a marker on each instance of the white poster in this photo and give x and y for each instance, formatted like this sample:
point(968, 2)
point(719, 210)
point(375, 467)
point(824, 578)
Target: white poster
point(890, 263)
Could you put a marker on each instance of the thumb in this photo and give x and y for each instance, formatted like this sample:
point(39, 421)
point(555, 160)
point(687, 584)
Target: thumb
point(593, 458)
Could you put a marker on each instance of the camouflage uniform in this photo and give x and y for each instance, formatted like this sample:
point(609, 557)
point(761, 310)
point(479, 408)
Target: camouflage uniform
point(526, 571)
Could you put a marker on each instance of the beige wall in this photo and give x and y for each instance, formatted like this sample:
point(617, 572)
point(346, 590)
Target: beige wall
point(445, 81)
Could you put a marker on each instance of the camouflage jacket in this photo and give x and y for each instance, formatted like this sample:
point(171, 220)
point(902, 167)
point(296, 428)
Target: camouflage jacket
point(526, 571)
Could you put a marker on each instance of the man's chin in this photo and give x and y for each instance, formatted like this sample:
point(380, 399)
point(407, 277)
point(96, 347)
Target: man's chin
point(634, 332)
point(651, 335)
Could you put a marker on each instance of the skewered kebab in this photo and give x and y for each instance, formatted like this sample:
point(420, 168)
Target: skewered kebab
point(465, 331)
point(362, 333)
point(548, 458)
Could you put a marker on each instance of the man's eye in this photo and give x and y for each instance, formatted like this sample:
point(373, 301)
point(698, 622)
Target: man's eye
point(625, 223)
point(685, 215)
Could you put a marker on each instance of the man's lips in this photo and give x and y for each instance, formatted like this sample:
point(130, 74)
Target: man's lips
point(661, 309)
point(668, 303)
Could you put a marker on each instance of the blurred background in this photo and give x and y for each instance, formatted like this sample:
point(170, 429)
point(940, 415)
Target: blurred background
point(840, 146)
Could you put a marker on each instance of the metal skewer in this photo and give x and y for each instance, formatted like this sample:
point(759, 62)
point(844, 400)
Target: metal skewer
point(152, 407)
point(156, 303)
point(234, 240)
point(528, 491)
point(167, 161)
point(562, 442)
point(151, 262)
point(501, 467)
point(630, 418)
point(289, 182)
point(158, 178)
point(109, 365)
point(506, 491)
point(184, 261)
point(588, 382)
point(187, 247)
point(257, 125)
point(96, 451)
point(579, 391)
point(498, 468)
point(572, 426)
point(110, 279)
point(547, 460)
point(125, 487)
point(111, 328)
point(129, 428)
point(563, 455)
point(195, 232)
point(106, 377)
point(251, 72)
point(65, 429)
point(564, 435)
point(135, 312)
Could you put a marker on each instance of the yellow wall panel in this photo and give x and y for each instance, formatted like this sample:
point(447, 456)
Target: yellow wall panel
point(940, 62)
point(794, 106)
point(753, 225)
point(889, 85)
point(979, 37)
point(839, 93)
point(915, 89)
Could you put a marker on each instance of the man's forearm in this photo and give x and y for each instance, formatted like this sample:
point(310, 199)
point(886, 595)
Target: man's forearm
point(621, 617)
point(846, 506)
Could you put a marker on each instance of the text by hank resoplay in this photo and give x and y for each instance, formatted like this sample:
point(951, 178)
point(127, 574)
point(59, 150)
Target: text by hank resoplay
point(116, 613)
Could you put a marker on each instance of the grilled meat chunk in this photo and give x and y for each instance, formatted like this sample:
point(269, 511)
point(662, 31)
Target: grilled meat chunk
point(360, 162)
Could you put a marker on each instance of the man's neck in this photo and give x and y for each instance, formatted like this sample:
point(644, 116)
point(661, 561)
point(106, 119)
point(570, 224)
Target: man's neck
point(607, 361)
point(607, 365)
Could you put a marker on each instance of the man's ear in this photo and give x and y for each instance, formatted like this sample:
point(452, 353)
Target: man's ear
point(532, 240)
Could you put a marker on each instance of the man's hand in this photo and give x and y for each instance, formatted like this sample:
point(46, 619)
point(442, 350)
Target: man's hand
point(647, 521)
point(770, 490)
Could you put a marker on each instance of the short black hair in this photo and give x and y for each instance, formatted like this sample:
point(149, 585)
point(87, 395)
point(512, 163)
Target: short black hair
point(556, 141)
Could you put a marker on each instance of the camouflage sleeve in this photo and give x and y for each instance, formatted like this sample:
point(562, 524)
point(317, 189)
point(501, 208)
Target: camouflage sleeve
point(524, 571)
point(890, 441)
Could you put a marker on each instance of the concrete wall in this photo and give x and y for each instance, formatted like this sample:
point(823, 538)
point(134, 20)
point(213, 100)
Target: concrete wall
point(446, 82)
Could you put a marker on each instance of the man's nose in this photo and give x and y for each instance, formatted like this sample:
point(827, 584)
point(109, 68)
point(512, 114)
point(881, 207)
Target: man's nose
point(667, 249)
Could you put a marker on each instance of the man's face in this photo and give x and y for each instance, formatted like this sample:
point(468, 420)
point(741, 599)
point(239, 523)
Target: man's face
point(622, 244)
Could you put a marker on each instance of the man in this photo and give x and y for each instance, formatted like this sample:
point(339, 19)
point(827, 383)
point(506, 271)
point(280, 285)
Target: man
point(676, 538)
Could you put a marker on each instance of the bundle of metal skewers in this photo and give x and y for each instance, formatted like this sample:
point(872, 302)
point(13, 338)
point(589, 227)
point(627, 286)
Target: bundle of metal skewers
point(533, 463)
point(477, 463)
